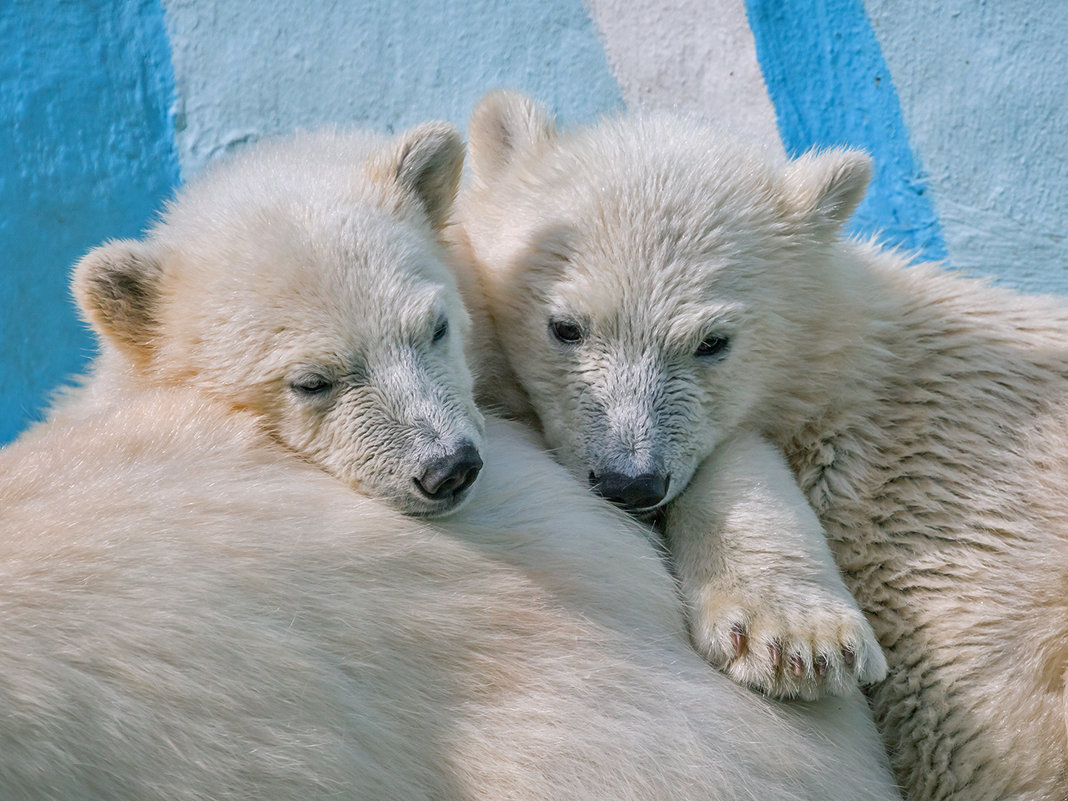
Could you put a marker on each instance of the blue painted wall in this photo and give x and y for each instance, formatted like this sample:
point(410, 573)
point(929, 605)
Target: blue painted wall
point(984, 93)
point(87, 154)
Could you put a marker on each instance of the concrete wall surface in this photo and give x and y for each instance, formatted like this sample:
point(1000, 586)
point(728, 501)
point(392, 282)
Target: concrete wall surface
point(106, 106)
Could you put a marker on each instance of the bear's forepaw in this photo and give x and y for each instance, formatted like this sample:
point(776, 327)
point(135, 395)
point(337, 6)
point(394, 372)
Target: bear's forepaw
point(805, 642)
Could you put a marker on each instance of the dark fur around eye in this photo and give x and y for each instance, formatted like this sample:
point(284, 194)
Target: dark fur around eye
point(713, 345)
point(566, 331)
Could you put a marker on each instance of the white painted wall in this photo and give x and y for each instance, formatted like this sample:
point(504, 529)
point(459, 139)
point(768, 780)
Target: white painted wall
point(691, 57)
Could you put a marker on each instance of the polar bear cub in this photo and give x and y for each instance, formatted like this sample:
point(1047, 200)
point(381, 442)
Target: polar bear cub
point(263, 285)
point(557, 230)
point(681, 310)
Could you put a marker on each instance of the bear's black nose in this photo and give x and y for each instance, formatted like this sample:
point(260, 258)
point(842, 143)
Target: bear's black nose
point(451, 474)
point(631, 492)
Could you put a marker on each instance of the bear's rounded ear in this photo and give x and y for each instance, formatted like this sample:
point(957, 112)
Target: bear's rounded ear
point(504, 125)
point(428, 164)
point(826, 187)
point(117, 288)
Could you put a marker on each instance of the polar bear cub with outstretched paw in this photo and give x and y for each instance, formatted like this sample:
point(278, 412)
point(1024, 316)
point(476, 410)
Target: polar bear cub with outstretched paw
point(263, 286)
point(686, 323)
point(639, 389)
point(191, 606)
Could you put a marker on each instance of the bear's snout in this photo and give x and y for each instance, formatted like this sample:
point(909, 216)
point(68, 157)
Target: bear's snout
point(633, 493)
point(447, 476)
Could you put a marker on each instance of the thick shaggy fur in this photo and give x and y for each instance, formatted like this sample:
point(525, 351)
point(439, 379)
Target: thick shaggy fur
point(304, 281)
point(194, 606)
point(921, 413)
point(187, 611)
point(559, 229)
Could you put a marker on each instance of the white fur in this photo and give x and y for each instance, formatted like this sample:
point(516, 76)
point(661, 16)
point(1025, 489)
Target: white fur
point(921, 414)
point(557, 226)
point(192, 608)
point(187, 611)
point(334, 237)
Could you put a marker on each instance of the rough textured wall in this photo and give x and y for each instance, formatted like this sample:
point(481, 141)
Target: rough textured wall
point(984, 91)
point(104, 104)
point(246, 68)
point(86, 154)
point(829, 95)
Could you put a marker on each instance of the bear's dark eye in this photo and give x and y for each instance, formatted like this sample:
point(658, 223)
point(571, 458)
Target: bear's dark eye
point(713, 345)
point(441, 331)
point(310, 385)
point(566, 331)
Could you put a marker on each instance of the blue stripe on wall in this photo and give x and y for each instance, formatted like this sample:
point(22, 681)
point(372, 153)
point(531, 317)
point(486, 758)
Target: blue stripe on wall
point(830, 85)
point(86, 140)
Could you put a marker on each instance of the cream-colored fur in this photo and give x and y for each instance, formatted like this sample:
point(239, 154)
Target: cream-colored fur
point(192, 607)
point(304, 281)
point(188, 611)
point(921, 413)
point(551, 234)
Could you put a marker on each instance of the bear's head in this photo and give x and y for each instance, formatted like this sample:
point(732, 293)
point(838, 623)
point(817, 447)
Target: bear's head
point(305, 282)
point(653, 285)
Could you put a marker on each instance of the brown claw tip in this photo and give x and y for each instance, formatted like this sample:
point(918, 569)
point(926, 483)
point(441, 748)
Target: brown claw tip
point(739, 639)
point(797, 664)
point(821, 665)
point(775, 652)
point(850, 657)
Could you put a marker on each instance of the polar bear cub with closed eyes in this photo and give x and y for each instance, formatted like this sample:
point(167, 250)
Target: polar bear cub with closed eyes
point(262, 285)
point(691, 330)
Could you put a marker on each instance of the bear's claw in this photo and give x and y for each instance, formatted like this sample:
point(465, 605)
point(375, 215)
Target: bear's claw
point(807, 644)
point(739, 639)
